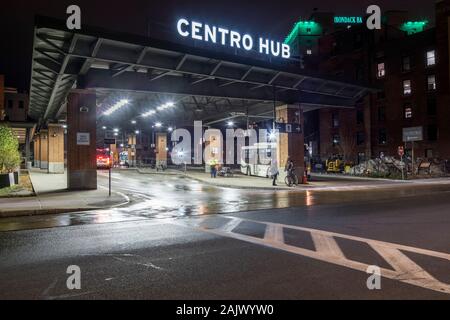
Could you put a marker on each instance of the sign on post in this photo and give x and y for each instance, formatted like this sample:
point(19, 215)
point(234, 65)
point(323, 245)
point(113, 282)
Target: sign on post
point(83, 139)
point(412, 134)
point(288, 127)
point(110, 141)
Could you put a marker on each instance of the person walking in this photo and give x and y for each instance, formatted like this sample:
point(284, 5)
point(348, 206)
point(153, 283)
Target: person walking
point(212, 166)
point(289, 169)
point(274, 172)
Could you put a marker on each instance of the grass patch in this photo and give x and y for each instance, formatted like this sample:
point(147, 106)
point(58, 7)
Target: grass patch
point(9, 191)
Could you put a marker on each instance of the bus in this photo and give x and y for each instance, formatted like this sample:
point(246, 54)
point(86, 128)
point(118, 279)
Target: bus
point(104, 159)
point(258, 150)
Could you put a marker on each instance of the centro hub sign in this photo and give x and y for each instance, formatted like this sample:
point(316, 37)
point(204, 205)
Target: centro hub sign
point(226, 37)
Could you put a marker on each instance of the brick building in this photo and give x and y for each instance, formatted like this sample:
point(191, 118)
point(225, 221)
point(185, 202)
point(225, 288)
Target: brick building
point(408, 60)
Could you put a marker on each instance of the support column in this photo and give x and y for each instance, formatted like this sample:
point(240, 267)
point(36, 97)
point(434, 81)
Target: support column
point(132, 150)
point(291, 144)
point(55, 148)
point(161, 149)
point(43, 144)
point(37, 152)
point(81, 140)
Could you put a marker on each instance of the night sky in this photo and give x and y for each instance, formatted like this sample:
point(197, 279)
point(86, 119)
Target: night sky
point(271, 18)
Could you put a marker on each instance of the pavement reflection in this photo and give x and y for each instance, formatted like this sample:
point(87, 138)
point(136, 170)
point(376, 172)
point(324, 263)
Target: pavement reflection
point(159, 197)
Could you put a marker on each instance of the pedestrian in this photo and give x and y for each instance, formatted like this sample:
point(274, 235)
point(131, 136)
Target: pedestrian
point(289, 168)
point(212, 167)
point(274, 172)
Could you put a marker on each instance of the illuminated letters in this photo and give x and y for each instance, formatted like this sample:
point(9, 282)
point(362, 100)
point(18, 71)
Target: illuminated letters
point(180, 23)
point(223, 33)
point(263, 44)
point(247, 42)
point(203, 32)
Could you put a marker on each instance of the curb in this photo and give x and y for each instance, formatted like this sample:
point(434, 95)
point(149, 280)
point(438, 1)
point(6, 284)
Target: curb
point(41, 212)
point(248, 188)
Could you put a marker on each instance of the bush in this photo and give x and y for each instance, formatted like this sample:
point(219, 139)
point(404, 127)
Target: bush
point(9, 150)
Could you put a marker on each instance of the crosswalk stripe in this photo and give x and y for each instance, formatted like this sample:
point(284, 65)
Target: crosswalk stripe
point(328, 250)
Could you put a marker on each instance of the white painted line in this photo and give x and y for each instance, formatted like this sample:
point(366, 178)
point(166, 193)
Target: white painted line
point(327, 246)
point(328, 250)
point(274, 234)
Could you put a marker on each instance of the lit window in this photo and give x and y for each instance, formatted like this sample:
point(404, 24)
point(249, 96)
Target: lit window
point(431, 82)
point(431, 58)
point(381, 72)
point(406, 63)
point(336, 140)
point(407, 87)
point(408, 112)
point(309, 52)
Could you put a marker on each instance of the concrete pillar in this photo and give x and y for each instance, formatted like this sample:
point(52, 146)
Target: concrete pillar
point(27, 144)
point(43, 147)
point(81, 140)
point(213, 147)
point(55, 148)
point(132, 150)
point(37, 152)
point(291, 144)
point(161, 149)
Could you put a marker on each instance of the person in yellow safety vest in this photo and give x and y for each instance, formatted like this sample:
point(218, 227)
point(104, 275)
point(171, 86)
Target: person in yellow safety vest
point(213, 163)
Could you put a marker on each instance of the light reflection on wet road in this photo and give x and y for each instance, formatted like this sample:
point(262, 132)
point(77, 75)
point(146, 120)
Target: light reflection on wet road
point(157, 196)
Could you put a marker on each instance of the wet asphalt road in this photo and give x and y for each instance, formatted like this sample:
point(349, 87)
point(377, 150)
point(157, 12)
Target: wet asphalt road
point(179, 239)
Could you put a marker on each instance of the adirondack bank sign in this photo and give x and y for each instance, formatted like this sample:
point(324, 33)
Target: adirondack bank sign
point(230, 38)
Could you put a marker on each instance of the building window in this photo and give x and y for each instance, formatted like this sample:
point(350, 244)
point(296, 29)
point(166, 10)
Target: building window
point(407, 90)
point(21, 104)
point(431, 82)
point(360, 138)
point(336, 140)
point(432, 132)
point(382, 138)
point(359, 117)
point(335, 120)
point(429, 153)
point(406, 64)
point(10, 104)
point(431, 58)
point(381, 71)
point(309, 52)
point(408, 113)
point(431, 106)
point(381, 113)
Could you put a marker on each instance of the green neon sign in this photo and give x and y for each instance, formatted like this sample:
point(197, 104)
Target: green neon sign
point(303, 28)
point(412, 27)
point(348, 20)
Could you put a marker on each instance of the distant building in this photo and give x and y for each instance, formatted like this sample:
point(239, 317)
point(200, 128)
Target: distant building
point(14, 113)
point(408, 60)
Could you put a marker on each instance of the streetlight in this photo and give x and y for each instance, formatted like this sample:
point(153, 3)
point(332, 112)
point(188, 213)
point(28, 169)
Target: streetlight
point(104, 128)
point(133, 121)
point(230, 123)
point(170, 129)
point(158, 125)
point(137, 132)
point(116, 130)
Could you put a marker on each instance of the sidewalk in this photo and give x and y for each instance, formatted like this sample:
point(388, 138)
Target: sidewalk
point(51, 197)
point(319, 182)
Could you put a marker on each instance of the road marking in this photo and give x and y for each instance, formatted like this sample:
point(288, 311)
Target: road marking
point(274, 234)
point(328, 250)
point(327, 246)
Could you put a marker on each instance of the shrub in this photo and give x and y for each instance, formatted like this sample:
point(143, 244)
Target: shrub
point(9, 150)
